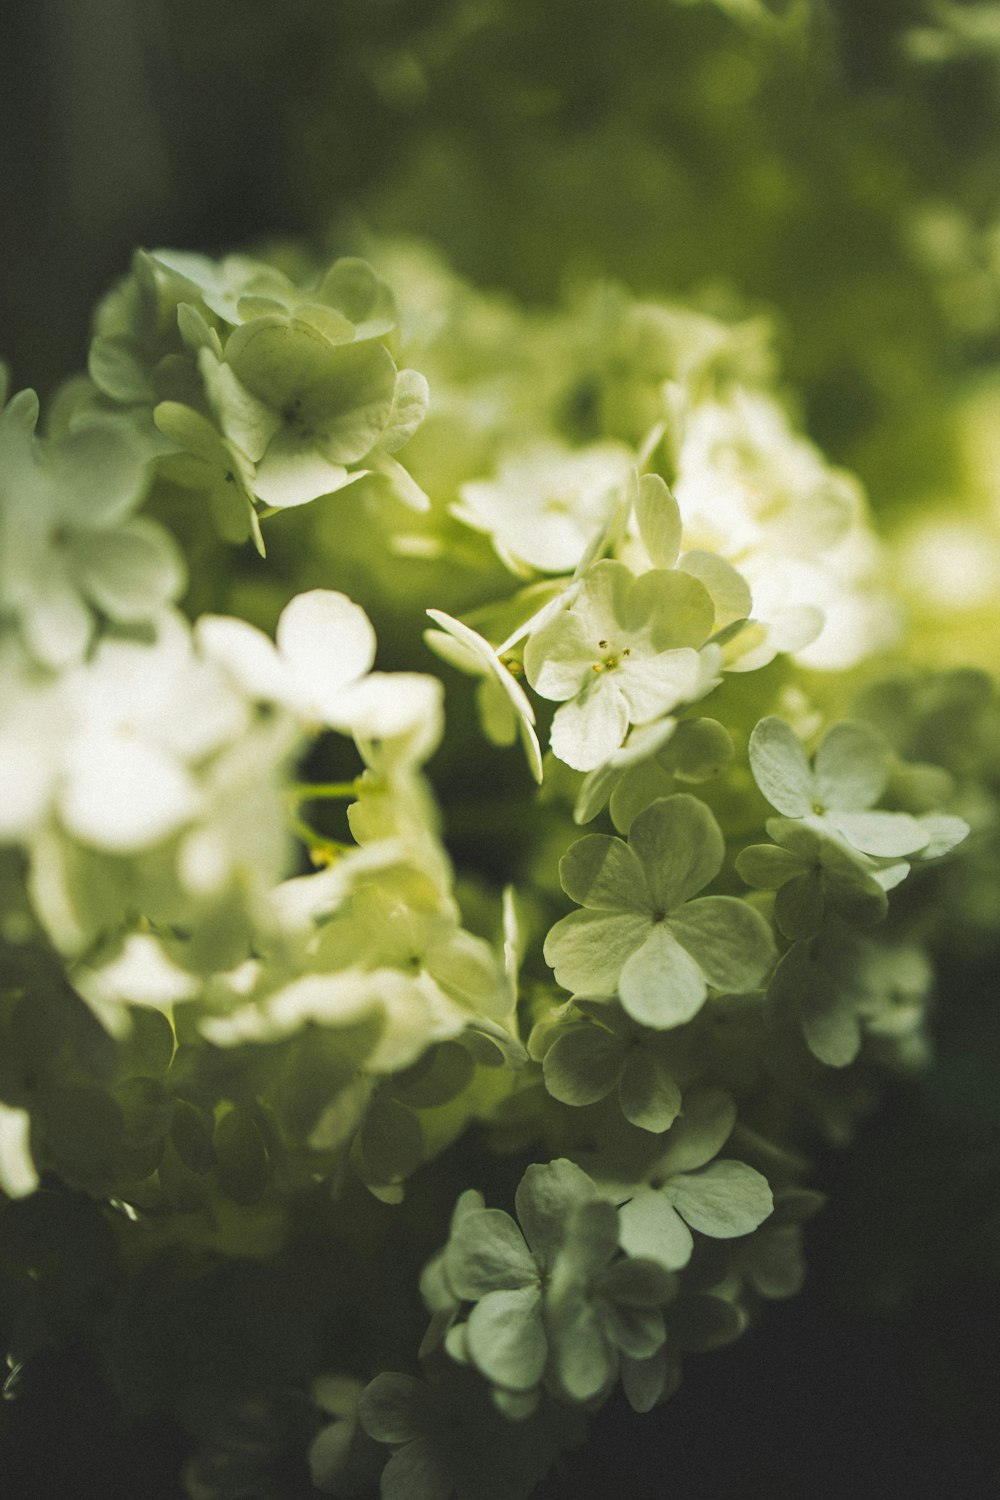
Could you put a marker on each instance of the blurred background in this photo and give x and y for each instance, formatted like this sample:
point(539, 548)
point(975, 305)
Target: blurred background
point(835, 164)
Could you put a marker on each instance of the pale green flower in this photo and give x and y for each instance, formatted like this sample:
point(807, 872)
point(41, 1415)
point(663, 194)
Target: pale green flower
point(641, 935)
point(686, 1185)
point(623, 650)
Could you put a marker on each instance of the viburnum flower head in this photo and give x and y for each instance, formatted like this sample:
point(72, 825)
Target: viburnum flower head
point(640, 933)
point(623, 650)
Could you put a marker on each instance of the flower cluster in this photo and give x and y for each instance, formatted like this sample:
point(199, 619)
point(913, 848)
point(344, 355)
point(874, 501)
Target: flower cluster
point(273, 940)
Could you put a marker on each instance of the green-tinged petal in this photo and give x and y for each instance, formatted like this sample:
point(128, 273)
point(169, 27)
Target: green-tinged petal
point(603, 873)
point(590, 727)
point(671, 609)
point(698, 750)
point(582, 1065)
point(700, 1132)
point(292, 472)
point(637, 1283)
point(191, 431)
point(943, 834)
point(724, 1200)
point(246, 421)
point(644, 1381)
point(393, 1407)
point(349, 405)
point(636, 1331)
point(416, 1472)
point(587, 949)
point(18, 1176)
point(781, 768)
point(590, 1242)
point(584, 1360)
point(767, 867)
point(506, 1337)
point(659, 520)
point(830, 1026)
point(277, 357)
point(487, 1252)
point(660, 984)
point(852, 767)
point(729, 940)
point(115, 370)
point(728, 589)
point(700, 1322)
point(680, 847)
point(799, 906)
point(129, 573)
point(650, 1227)
point(98, 476)
point(857, 894)
point(545, 1197)
point(649, 1097)
point(410, 401)
point(778, 1269)
point(887, 835)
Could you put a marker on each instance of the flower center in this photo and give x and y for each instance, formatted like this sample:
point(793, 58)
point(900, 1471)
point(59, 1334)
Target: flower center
point(612, 658)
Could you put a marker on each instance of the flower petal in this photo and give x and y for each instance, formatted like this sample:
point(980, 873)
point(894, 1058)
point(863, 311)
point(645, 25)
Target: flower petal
point(660, 984)
point(781, 768)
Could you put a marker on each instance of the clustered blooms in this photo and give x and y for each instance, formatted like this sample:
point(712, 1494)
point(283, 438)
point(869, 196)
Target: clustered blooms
point(615, 529)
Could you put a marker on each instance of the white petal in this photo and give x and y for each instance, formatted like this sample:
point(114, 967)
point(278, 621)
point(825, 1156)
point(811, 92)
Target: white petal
point(328, 643)
point(123, 795)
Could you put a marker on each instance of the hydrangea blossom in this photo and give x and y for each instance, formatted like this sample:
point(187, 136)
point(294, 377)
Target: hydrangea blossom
point(546, 502)
point(686, 1185)
point(641, 933)
point(553, 1296)
point(623, 651)
point(71, 547)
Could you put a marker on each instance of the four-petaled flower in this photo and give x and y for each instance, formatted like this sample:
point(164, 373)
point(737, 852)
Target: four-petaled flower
point(623, 650)
point(640, 933)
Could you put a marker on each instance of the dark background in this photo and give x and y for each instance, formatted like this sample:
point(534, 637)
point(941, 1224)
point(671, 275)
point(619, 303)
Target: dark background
point(207, 125)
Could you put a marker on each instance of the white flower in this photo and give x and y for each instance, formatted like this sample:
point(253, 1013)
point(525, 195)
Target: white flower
point(546, 502)
point(623, 651)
